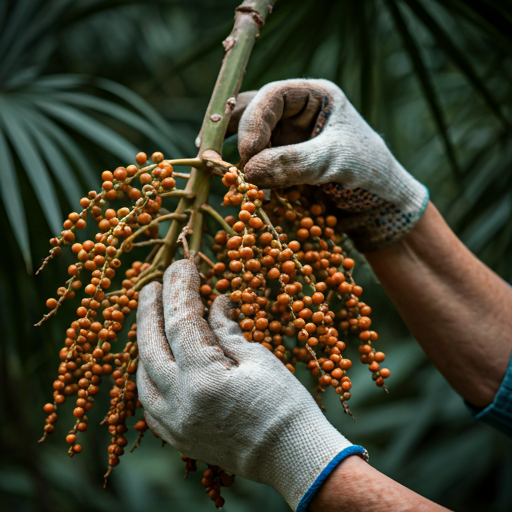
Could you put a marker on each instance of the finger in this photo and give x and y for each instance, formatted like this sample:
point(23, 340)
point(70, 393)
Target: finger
point(228, 332)
point(242, 101)
point(148, 393)
point(286, 166)
point(188, 333)
point(282, 113)
point(230, 339)
point(154, 350)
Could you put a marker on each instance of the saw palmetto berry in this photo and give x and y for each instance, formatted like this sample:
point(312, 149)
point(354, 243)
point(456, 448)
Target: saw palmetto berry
point(281, 261)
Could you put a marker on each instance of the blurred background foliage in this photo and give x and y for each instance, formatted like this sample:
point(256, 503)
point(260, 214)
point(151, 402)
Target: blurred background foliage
point(84, 85)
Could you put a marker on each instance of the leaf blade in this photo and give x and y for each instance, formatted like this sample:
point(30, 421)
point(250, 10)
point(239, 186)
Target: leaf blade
point(11, 196)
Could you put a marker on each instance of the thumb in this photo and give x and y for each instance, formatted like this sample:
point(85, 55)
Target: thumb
point(242, 102)
point(228, 332)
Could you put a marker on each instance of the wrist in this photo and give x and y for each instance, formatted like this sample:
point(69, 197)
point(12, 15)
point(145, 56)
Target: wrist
point(341, 489)
point(357, 487)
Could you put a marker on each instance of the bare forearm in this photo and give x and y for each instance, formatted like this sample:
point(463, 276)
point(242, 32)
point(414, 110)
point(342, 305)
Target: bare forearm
point(354, 486)
point(455, 306)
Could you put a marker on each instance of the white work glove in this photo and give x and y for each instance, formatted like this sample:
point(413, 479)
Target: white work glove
point(216, 397)
point(297, 132)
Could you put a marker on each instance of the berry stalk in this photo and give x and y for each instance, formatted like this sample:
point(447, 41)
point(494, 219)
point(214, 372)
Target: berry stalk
point(249, 18)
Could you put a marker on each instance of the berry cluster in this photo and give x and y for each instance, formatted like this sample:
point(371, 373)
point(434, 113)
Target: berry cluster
point(281, 262)
point(288, 277)
point(87, 355)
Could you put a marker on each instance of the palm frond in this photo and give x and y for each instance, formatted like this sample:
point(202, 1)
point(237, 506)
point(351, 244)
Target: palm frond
point(11, 197)
point(425, 80)
point(457, 57)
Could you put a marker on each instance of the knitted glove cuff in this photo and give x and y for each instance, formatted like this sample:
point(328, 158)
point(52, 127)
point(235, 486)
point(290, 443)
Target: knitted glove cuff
point(308, 496)
point(379, 223)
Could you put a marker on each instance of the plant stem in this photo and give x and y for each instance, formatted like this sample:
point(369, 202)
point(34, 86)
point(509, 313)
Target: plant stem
point(218, 217)
point(249, 18)
point(193, 162)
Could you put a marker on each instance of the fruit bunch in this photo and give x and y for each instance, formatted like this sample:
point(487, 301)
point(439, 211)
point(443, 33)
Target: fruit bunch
point(281, 262)
point(291, 283)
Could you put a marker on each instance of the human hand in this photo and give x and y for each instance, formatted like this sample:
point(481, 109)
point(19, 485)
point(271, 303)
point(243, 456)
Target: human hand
point(297, 132)
point(215, 397)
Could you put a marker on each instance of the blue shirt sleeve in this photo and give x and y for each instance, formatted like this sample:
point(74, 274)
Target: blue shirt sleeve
point(499, 413)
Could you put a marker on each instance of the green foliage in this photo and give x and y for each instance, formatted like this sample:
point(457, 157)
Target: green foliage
point(83, 84)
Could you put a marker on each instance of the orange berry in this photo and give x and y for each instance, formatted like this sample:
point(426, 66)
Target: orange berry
point(246, 253)
point(306, 222)
point(316, 209)
point(313, 342)
point(331, 221)
point(249, 240)
point(380, 382)
point(206, 289)
point(145, 178)
point(384, 373)
point(104, 225)
point(222, 285)
point(249, 207)
point(49, 408)
point(328, 365)
point(284, 298)
point(373, 366)
point(337, 373)
point(144, 218)
point(235, 266)
point(318, 317)
point(120, 174)
point(266, 238)
point(379, 357)
point(234, 242)
point(325, 380)
point(141, 158)
point(90, 289)
point(253, 265)
point(348, 263)
point(239, 226)
point(131, 170)
point(244, 216)
point(317, 297)
point(140, 425)
point(168, 183)
point(345, 364)
point(255, 222)
point(78, 412)
point(315, 231)
point(275, 326)
point(51, 303)
point(273, 273)
point(134, 194)
point(288, 267)
point(230, 178)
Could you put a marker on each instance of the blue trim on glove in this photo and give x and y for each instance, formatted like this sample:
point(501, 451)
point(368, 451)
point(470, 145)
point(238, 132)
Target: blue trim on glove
point(322, 477)
point(499, 413)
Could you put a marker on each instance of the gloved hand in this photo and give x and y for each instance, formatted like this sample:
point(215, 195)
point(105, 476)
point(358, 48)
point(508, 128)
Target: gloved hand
point(296, 132)
point(215, 397)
